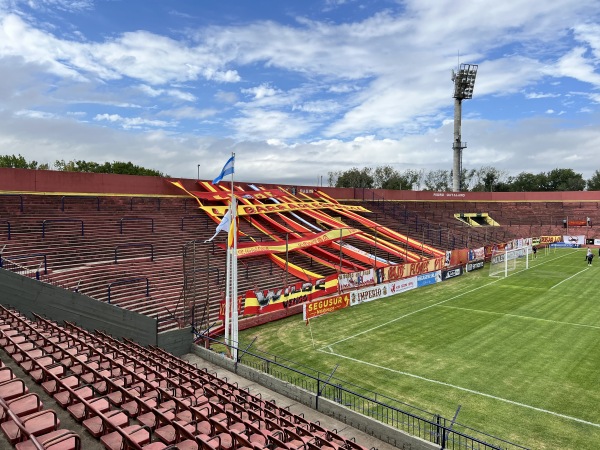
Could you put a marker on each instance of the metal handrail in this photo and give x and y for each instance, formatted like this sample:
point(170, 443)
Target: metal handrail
point(436, 429)
point(15, 195)
point(59, 220)
point(62, 200)
point(133, 219)
point(128, 281)
point(117, 247)
point(12, 258)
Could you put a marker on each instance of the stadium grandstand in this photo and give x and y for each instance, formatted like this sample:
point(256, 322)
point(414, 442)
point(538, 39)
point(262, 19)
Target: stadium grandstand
point(112, 289)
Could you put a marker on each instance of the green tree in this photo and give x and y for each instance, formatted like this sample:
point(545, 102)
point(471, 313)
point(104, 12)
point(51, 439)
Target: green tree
point(355, 178)
point(490, 179)
point(529, 182)
point(593, 184)
point(438, 180)
point(565, 180)
point(19, 162)
point(118, 167)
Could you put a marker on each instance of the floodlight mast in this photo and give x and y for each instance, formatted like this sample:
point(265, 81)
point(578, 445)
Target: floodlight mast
point(464, 82)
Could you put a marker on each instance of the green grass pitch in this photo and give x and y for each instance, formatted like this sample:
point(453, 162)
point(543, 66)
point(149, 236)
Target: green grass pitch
point(521, 354)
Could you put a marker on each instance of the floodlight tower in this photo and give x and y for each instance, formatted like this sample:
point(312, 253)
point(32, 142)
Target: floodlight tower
point(464, 82)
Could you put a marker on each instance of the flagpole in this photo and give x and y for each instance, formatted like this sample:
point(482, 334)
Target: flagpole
point(234, 278)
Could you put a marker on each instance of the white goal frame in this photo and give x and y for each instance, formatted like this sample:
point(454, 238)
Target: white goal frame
point(504, 261)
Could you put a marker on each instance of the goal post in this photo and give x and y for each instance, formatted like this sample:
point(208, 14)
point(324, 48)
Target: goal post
point(505, 261)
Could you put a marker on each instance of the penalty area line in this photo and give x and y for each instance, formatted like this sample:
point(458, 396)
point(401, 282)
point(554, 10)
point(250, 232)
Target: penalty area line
point(471, 391)
point(567, 279)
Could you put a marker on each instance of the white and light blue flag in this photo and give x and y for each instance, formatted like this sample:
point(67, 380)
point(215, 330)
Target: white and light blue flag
point(227, 170)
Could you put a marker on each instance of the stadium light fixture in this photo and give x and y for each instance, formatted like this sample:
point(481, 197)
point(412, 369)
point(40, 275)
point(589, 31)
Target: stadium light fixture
point(464, 83)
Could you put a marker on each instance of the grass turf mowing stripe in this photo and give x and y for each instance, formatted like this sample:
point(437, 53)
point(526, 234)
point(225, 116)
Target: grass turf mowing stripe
point(471, 391)
point(523, 317)
point(435, 304)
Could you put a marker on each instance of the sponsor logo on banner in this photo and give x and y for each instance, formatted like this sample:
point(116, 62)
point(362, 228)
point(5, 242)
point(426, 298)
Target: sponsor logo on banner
point(245, 210)
point(563, 245)
point(399, 286)
point(452, 273)
point(356, 279)
point(400, 271)
point(475, 254)
point(429, 278)
point(580, 239)
point(596, 241)
point(262, 301)
point(325, 305)
point(368, 294)
point(550, 239)
point(535, 241)
point(247, 249)
point(474, 266)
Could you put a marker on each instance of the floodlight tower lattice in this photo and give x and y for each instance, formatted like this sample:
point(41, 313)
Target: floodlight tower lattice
point(464, 83)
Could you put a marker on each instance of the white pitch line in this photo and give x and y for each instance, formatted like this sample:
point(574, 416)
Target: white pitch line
point(471, 391)
point(567, 279)
point(430, 306)
point(524, 317)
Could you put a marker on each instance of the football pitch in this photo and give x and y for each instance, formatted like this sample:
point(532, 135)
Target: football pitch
point(520, 355)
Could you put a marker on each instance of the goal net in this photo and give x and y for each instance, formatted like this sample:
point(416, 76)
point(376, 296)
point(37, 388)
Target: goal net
point(505, 261)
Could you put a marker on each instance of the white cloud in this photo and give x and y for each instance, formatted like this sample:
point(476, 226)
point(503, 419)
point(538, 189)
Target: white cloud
point(131, 122)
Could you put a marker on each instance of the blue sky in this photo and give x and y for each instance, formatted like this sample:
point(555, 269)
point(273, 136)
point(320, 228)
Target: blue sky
point(300, 88)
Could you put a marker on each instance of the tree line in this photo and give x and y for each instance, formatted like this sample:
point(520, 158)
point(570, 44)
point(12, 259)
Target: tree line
point(118, 167)
point(484, 179)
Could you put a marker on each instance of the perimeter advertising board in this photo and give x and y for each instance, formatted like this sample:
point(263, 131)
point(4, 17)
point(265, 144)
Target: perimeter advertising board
point(325, 305)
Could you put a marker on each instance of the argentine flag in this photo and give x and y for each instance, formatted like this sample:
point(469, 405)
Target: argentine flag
point(227, 170)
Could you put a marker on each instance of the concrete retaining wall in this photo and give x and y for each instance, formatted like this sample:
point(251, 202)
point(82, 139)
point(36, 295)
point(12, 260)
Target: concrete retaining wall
point(29, 295)
point(376, 429)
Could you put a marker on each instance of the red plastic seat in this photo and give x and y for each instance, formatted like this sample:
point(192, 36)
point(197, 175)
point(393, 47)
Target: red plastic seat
point(69, 396)
point(103, 423)
point(55, 440)
point(12, 388)
point(21, 406)
point(38, 423)
point(115, 440)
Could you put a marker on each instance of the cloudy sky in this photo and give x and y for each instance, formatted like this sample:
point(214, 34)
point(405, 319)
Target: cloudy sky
point(299, 88)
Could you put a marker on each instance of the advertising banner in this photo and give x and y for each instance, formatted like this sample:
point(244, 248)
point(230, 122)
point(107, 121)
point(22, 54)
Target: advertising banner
point(452, 273)
point(356, 280)
point(550, 239)
point(579, 240)
point(596, 241)
point(475, 265)
point(429, 278)
point(368, 294)
point(563, 245)
point(477, 254)
point(247, 210)
point(246, 249)
point(400, 271)
point(324, 305)
point(407, 284)
point(262, 301)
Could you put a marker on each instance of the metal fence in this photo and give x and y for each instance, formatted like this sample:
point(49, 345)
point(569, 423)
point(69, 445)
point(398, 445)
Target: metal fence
point(434, 428)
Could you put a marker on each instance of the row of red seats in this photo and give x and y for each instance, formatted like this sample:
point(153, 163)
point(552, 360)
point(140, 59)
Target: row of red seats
point(23, 419)
point(133, 397)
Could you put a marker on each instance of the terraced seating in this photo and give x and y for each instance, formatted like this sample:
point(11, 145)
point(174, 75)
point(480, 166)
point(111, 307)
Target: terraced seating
point(129, 396)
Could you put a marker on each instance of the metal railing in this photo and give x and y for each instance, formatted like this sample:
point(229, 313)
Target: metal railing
point(48, 221)
point(415, 421)
point(135, 219)
point(117, 247)
point(129, 281)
